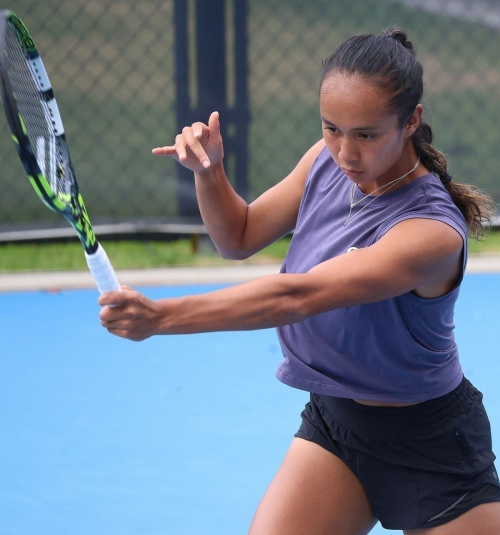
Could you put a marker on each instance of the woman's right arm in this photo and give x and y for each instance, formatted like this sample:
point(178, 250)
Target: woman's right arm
point(237, 229)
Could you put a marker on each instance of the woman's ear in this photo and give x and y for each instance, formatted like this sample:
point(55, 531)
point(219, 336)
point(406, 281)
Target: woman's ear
point(414, 121)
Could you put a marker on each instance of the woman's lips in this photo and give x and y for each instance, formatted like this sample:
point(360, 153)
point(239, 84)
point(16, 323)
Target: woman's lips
point(351, 172)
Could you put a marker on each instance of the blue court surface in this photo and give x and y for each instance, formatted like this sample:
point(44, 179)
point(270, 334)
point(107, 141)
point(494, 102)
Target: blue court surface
point(176, 435)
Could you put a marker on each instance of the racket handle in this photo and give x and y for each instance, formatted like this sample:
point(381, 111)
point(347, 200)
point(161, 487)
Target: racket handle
point(102, 271)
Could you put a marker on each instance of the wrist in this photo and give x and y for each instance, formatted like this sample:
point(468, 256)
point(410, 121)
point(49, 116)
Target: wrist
point(211, 172)
point(168, 310)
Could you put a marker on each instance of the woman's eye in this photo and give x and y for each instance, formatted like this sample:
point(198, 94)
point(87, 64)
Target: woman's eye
point(334, 130)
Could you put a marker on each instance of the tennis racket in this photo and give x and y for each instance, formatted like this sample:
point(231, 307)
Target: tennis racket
point(38, 133)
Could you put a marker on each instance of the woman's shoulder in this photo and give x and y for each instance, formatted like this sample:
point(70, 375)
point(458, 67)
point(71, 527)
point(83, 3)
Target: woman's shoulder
point(317, 153)
point(322, 162)
point(425, 198)
point(439, 200)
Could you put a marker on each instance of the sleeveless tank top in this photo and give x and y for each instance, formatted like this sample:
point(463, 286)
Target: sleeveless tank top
point(397, 350)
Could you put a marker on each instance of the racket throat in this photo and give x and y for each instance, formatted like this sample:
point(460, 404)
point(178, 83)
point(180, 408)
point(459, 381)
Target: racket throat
point(91, 249)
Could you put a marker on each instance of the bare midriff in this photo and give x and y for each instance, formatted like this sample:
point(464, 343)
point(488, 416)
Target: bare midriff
point(382, 404)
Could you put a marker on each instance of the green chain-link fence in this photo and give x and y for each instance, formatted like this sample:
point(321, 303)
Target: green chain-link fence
point(112, 67)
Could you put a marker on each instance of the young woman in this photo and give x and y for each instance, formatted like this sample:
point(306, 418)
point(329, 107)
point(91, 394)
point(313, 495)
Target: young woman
point(363, 305)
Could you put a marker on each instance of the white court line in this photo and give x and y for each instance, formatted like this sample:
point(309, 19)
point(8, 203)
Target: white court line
point(14, 282)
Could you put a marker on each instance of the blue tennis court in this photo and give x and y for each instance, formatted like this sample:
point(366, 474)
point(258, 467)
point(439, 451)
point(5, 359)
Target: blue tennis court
point(176, 435)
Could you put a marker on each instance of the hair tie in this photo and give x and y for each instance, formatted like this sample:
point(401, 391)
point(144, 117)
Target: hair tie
point(445, 178)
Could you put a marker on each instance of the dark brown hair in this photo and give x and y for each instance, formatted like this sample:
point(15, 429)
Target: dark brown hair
point(390, 61)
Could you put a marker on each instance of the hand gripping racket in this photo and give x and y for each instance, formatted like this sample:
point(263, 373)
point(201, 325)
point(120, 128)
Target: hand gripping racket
point(38, 133)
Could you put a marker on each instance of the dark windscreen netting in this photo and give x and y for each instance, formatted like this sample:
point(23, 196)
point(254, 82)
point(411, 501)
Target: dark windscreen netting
point(113, 72)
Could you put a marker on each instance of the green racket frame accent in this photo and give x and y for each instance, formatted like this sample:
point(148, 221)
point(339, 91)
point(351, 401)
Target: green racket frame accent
point(71, 206)
point(22, 32)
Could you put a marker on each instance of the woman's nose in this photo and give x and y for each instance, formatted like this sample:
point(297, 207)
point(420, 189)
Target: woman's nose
point(348, 151)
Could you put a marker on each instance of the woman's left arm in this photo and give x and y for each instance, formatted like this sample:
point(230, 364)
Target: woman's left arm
point(414, 253)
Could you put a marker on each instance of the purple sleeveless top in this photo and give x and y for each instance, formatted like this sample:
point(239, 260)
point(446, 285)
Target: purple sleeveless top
point(397, 350)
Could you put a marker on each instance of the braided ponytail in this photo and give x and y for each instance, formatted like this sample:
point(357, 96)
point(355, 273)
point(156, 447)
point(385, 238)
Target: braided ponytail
point(476, 206)
point(390, 60)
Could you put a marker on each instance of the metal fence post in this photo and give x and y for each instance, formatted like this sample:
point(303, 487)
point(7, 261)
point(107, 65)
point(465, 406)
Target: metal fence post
point(186, 197)
point(211, 86)
point(242, 115)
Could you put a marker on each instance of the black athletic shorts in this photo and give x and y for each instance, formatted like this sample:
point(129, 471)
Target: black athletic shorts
point(422, 465)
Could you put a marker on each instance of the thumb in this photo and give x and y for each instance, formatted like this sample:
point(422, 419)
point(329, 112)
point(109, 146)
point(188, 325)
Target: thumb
point(214, 124)
point(126, 288)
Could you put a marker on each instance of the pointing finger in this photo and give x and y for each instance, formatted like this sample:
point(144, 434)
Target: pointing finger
point(169, 150)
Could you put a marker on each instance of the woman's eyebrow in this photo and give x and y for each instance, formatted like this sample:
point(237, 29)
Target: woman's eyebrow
point(357, 128)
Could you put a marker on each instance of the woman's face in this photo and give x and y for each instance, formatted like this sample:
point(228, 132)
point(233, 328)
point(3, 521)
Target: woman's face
point(362, 137)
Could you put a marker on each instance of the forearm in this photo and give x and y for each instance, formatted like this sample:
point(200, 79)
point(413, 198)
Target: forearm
point(223, 211)
point(263, 303)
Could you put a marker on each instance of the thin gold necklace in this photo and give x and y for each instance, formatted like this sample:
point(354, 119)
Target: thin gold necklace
point(387, 187)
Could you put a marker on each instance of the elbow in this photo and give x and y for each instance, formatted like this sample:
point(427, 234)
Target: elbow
point(235, 250)
point(233, 254)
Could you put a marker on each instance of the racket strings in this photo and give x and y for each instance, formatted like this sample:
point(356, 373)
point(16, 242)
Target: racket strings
point(36, 116)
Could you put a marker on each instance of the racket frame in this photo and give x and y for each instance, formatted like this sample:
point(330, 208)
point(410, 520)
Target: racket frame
point(74, 208)
point(71, 204)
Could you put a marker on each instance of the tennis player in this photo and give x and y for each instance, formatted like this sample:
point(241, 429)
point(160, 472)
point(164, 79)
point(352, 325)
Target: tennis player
point(364, 306)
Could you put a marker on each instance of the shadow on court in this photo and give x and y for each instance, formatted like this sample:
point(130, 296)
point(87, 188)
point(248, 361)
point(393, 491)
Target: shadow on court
point(171, 436)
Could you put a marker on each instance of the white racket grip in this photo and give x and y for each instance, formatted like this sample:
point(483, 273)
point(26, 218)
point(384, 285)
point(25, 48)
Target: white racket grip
point(102, 271)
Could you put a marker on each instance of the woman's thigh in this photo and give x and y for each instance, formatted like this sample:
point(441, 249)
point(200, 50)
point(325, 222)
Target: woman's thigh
point(313, 493)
